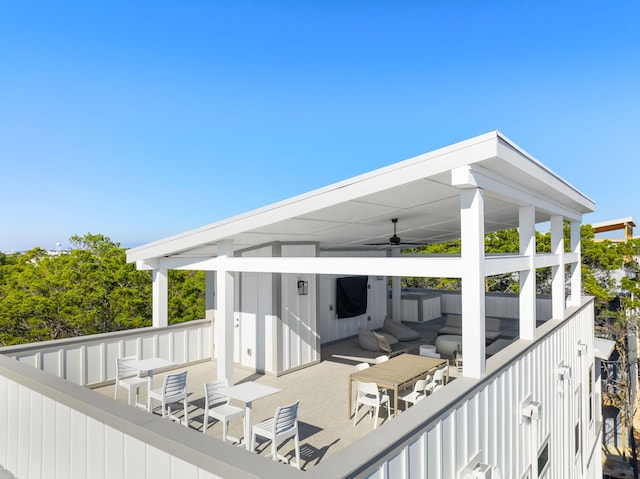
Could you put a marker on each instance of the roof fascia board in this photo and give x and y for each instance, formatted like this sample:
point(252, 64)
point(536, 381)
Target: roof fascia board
point(477, 176)
point(422, 166)
point(367, 266)
point(529, 164)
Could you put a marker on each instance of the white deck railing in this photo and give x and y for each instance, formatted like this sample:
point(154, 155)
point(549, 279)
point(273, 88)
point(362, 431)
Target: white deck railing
point(90, 360)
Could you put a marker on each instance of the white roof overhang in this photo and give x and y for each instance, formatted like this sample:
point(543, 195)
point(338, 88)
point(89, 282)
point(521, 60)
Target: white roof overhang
point(422, 192)
point(603, 348)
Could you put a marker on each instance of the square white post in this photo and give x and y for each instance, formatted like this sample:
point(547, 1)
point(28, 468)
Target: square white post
point(557, 272)
point(396, 292)
point(575, 272)
point(224, 315)
point(527, 302)
point(159, 300)
point(473, 304)
point(210, 305)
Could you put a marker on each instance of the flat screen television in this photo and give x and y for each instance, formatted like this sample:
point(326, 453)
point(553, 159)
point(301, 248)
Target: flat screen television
point(351, 296)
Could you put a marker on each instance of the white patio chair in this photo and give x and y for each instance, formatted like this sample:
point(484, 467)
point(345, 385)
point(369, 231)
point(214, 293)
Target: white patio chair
point(369, 395)
point(216, 406)
point(438, 379)
point(359, 367)
point(382, 359)
point(417, 393)
point(174, 389)
point(129, 378)
point(458, 360)
point(279, 428)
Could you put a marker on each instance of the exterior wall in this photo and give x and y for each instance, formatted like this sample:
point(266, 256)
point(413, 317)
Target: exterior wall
point(275, 326)
point(298, 340)
point(257, 316)
point(329, 326)
point(90, 360)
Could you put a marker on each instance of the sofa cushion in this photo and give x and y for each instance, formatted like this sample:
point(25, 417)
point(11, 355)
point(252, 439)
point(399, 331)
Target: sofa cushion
point(390, 338)
point(383, 344)
point(400, 331)
point(367, 340)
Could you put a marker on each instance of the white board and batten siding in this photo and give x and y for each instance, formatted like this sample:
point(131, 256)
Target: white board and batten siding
point(54, 429)
point(298, 336)
point(275, 326)
point(90, 360)
point(488, 422)
point(329, 326)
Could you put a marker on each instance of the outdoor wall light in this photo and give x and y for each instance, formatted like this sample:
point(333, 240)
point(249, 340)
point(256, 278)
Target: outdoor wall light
point(303, 287)
point(531, 410)
point(582, 348)
point(564, 372)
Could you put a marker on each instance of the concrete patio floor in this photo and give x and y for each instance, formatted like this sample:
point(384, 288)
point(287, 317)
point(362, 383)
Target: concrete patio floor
point(324, 421)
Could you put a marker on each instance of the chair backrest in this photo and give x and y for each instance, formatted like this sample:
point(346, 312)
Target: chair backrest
point(123, 370)
point(420, 385)
point(174, 383)
point(382, 359)
point(361, 366)
point(212, 396)
point(438, 376)
point(370, 389)
point(286, 418)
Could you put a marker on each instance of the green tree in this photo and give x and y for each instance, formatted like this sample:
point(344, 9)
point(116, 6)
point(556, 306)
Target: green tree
point(88, 290)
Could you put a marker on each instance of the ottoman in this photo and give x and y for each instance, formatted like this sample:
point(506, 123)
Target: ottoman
point(448, 344)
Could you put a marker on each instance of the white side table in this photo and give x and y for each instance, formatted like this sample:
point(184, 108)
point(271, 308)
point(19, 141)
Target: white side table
point(427, 349)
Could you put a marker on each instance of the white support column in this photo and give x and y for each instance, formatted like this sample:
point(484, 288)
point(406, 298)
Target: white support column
point(210, 305)
point(527, 232)
point(473, 303)
point(557, 272)
point(224, 315)
point(576, 271)
point(160, 298)
point(396, 292)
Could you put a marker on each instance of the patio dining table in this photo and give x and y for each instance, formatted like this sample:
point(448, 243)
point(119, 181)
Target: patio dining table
point(148, 366)
point(248, 392)
point(395, 374)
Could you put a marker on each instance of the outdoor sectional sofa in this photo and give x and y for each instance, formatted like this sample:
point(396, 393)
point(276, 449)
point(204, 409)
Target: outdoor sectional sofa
point(454, 326)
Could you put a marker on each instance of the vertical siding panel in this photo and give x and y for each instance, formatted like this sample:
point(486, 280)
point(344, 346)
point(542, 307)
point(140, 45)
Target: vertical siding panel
point(12, 426)
point(95, 449)
point(4, 418)
point(415, 454)
point(158, 464)
point(49, 420)
point(134, 458)
point(434, 452)
point(396, 466)
point(24, 419)
point(448, 447)
point(183, 469)
point(78, 444)
point(62, 440)
point(114, 452)
point(35, 434)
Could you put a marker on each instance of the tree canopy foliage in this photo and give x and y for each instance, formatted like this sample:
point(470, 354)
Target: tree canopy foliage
point(89, 289)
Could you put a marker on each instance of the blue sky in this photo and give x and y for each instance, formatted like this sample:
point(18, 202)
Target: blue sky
point(139, 120)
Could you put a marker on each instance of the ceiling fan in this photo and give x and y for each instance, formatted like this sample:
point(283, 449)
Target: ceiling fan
point(394, 240)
